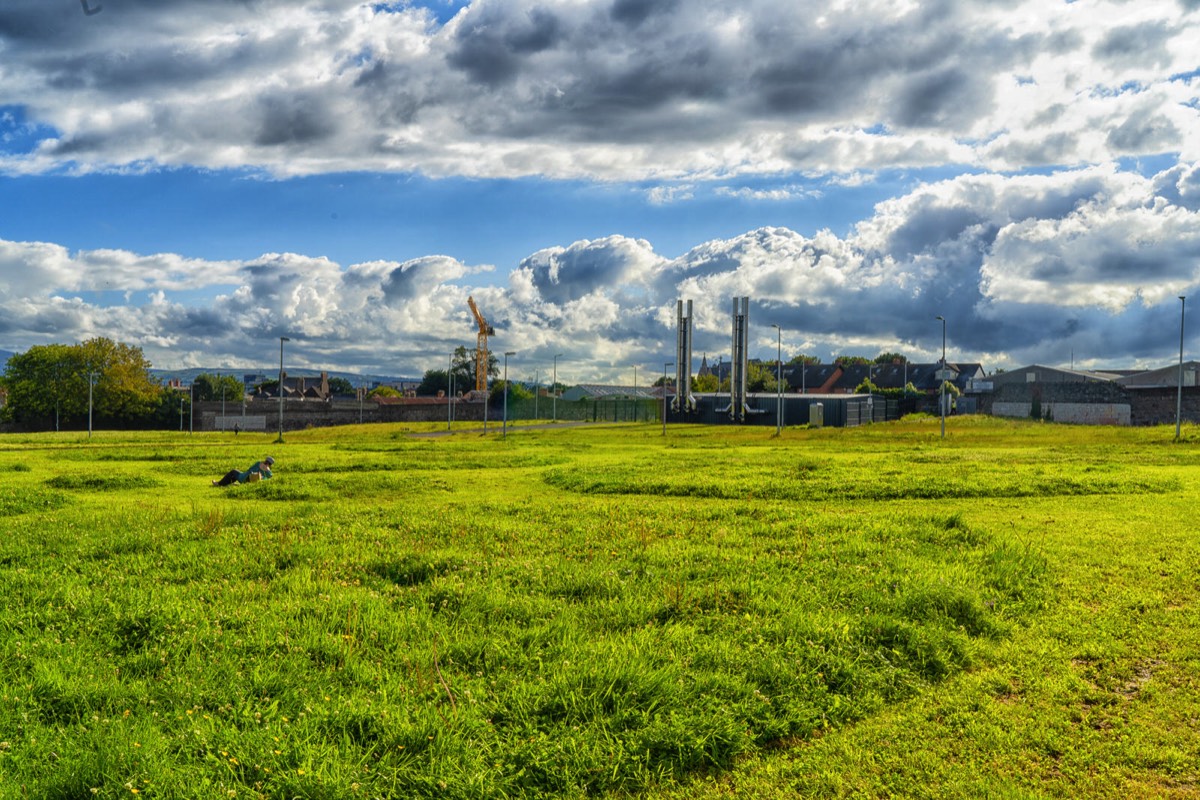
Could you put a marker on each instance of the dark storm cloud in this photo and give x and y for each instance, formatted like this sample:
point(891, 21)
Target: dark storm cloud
point(635, 12)
point(1140, 133)
point(491, 47)
point(1142, 45)
point(200, 323)
point(293, 119)
point(613, 88)
point(946, 98)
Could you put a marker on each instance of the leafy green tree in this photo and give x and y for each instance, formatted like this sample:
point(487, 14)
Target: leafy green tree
point(433, 381)
point(124, 389)
point(48, 384)
point(384, 391)
point(760, 377)
point(811, 361)
point(891, 358)
point(846, 361)
point(216, 387)
point(516, 391)
point(340, 386)
point(705, 383)
point(462, 369)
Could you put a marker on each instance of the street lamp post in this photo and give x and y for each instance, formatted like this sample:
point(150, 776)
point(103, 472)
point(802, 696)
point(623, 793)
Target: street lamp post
point(1179, 395)
point(192, 408)
point(282, 339)
point(537, 389)
point(450, 392)
point(635, 392)
point(664, 391)
point(504, 425)
point(942, 375)
point(778, 379)
point(554, 387)
point(91, 383)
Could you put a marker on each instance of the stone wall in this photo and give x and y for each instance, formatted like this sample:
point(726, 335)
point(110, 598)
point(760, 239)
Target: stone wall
point(1075, 413)
point(262, 415)
point(1157, 406)
point(1093, 403)
point(1081, 402)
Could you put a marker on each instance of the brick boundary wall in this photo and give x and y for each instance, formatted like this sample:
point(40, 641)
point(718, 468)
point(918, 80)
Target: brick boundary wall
point(301, 414)
point(1146, 406)
point(1157, 406)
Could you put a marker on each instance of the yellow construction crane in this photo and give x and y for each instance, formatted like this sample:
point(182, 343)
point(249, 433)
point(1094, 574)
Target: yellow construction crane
point(481, 347)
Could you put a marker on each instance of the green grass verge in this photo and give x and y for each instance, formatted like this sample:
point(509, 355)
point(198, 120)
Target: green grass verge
point(599, 611)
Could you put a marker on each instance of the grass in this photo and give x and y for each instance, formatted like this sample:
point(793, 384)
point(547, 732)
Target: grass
point(602, 611)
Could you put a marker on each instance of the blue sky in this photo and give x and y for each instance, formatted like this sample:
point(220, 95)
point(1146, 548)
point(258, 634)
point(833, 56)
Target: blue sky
point(347, 174)
point(354, 217)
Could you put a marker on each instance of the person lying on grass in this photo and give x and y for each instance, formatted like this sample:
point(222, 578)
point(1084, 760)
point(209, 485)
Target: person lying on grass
point(259, 470)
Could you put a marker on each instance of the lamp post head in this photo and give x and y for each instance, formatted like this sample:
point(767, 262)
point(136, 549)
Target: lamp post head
point(939, 316)
point(284, 339)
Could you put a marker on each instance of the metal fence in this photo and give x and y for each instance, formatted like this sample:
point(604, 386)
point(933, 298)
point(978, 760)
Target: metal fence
point(610, 410)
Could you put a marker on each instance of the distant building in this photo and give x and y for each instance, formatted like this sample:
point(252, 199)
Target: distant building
point(1103, 397)
point(596, 391)
point(298, 388)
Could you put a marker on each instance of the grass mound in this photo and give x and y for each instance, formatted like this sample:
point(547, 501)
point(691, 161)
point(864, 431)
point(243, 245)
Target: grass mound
point(103, 483)
point(26, 500)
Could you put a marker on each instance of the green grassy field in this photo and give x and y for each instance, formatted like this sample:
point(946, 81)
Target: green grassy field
point(1010, 612)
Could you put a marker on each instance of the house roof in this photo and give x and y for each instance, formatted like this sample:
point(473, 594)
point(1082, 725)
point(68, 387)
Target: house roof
point(1162, 377)
point(599, 391)
point(1044, 374)
point(839, 380)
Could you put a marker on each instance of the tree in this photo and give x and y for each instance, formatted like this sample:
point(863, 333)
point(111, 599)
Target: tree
point(49, 383)
point(433, 381)
point(46, 385)
point(384, 391)
point(516, 391)
point(340, 386)
point(705, 383)
point(462, 369)
point(891, 358)
point(760, 377)
point(217, 387)
point(811, 361)
point(124, 390)
point(846, 361)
